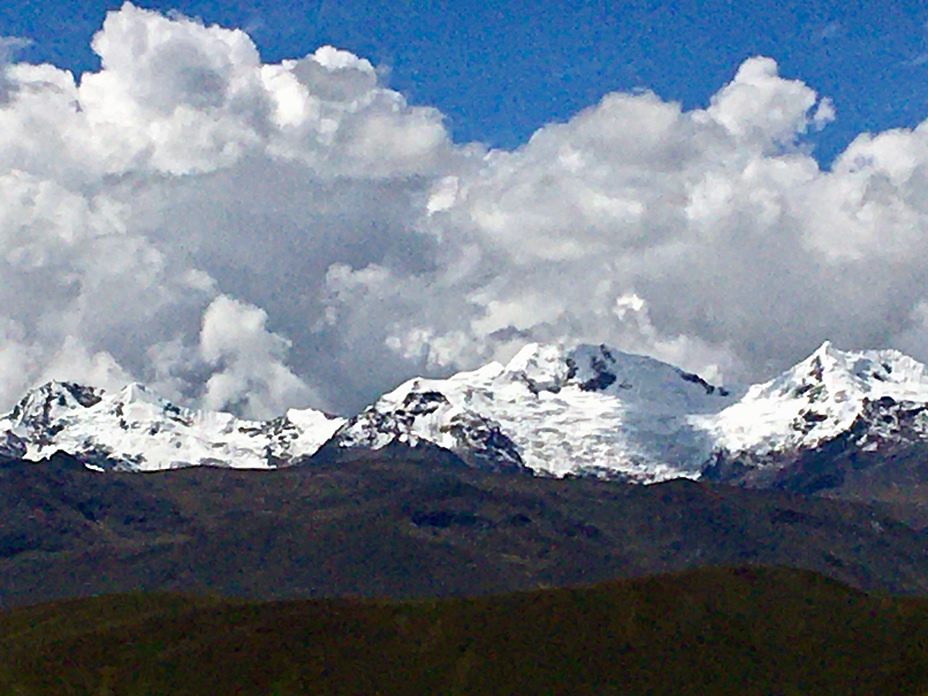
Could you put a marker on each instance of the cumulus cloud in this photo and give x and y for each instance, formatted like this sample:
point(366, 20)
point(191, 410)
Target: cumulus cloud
point(254, 236)
point(159, 210)
point(761, 110)
point(9, 47)
point(251, 375)
point(710, 238)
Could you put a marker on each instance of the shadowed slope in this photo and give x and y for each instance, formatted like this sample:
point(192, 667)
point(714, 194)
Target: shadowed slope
point(709, 631)
point(404, 529)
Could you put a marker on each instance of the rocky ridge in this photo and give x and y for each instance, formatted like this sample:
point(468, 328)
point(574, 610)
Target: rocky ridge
point(586, 411)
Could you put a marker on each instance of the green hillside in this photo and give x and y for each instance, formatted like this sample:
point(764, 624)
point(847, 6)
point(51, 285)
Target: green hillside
point(707, 631)
point(407, 529)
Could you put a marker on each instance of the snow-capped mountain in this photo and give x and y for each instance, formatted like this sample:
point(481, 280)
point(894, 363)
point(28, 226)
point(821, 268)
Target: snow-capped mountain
point(834, 413)
point(591, 410)
point(595, 410)
point(135, 430)
point(824, 396)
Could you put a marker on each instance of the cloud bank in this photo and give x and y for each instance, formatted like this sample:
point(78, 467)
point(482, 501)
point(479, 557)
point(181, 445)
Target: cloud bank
point(255, 236)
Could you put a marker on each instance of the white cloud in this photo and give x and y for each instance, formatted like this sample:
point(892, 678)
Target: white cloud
point(185, 171)
point(743, 253)
point(9, 47)
point(73, 362)
point(255, 236)
point(762, 110)
point(251, 376)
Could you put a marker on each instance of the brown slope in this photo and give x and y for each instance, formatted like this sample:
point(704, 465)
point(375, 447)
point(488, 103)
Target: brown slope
point(399, 528)
point(709, 631)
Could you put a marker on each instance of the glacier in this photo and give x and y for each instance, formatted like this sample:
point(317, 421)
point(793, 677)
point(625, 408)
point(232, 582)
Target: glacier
point(135, 430)
point(589, 410)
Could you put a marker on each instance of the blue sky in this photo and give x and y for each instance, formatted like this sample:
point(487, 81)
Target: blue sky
point(498, 71)
point(451, 182)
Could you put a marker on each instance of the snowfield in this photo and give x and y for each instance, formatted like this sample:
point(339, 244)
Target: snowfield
point(590, 410)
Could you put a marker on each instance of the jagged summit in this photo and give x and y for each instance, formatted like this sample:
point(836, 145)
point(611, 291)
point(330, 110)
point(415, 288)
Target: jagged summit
point(549, 367)
point(854, 373)
point(38, 405)
point(817, 399)
point(588, 410)
point(135, 429)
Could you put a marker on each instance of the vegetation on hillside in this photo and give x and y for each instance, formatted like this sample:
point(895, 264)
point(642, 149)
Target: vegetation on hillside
point(403, 528)
point(710, 631)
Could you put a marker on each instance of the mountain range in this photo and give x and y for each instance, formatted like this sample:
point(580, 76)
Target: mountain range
point(830, 420)
point(517, 477)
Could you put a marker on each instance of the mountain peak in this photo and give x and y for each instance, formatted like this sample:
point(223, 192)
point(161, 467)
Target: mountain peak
point(39, 404)
point(542, 366)
point(70, 391)
point(856, 371)
point(550, 367)
point(590, 409)
point(136, 429)
point(827, 349)
point(819, 398)
point(136, 391)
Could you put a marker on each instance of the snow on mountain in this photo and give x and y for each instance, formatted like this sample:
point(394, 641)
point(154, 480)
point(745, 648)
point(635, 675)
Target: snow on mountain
point(136, 430)
point(591, 410)
point(823, 397)
point(595, 410)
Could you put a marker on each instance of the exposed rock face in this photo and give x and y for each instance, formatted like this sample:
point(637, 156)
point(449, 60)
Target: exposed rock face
point(587, 411)
point(135, 430)
point(477, 440)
